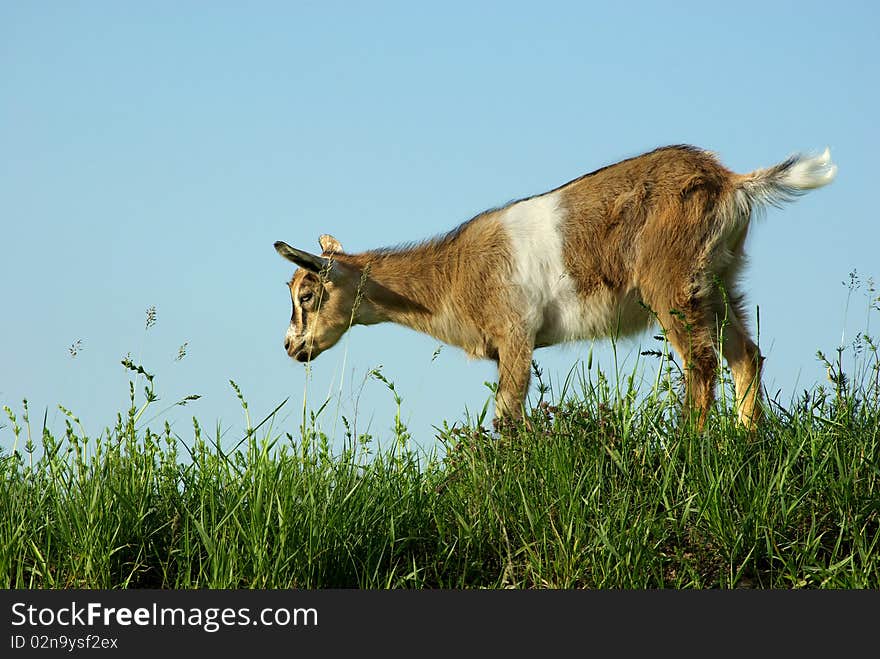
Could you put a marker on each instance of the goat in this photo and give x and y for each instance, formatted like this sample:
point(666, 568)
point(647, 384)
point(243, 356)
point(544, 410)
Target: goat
point(658, 237)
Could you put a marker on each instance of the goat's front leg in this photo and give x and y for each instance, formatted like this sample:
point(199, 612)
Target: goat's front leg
point(514, 372)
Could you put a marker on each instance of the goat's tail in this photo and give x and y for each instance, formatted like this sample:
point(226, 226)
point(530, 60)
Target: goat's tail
point(788, 180)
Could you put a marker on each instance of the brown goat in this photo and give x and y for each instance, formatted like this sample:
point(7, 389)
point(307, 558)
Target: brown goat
point(656, 237)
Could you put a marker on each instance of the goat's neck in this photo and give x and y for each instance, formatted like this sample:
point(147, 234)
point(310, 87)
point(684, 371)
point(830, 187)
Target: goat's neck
point(402, 287)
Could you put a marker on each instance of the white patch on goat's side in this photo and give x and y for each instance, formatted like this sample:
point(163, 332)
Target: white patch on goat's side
point(551, 307)
point(533, 228)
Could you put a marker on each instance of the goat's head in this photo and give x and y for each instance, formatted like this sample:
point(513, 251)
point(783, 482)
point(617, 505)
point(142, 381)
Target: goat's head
point(323, 292)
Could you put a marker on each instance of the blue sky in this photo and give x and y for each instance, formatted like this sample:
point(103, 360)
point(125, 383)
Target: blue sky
point(151, 153)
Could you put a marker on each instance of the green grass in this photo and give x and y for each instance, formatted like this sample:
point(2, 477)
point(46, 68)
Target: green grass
point(606, 488)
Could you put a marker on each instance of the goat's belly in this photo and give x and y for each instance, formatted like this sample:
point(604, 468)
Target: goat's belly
point(604, 313)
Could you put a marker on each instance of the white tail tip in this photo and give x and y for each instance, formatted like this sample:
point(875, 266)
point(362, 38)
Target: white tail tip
point(811, 172)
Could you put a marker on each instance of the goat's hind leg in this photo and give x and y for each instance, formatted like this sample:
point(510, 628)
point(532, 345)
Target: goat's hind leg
point(692, 335)
point(745, 361)
point(701, 371)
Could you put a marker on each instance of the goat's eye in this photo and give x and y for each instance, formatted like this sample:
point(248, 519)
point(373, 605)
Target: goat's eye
point(305, 298)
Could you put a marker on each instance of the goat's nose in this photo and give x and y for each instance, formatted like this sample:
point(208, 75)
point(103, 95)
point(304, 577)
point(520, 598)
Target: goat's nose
point(286, 343)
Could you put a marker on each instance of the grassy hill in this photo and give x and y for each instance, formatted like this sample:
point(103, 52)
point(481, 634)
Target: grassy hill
point(605, 489)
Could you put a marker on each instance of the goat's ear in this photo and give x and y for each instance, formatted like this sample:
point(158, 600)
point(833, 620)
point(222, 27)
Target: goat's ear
point(310, 262)
point(329, 244)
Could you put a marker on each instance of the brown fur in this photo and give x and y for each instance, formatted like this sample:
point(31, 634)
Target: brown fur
point(663, 229)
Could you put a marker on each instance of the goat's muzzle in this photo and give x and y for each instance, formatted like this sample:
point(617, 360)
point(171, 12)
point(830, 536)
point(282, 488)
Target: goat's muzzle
point(296, 350)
